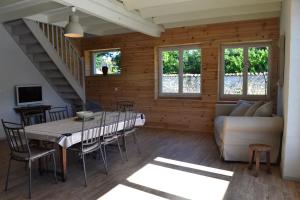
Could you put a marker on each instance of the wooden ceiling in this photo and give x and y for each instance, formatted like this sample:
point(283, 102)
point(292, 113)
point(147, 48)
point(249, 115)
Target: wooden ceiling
point(107, 17)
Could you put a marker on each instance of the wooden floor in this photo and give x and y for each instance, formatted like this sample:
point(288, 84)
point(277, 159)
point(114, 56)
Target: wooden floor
point(198, 149)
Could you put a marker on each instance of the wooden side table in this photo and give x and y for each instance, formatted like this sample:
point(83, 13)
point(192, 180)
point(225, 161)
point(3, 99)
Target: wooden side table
point(255, 150)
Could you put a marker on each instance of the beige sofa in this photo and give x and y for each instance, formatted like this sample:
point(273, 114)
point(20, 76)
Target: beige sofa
point(233, 134)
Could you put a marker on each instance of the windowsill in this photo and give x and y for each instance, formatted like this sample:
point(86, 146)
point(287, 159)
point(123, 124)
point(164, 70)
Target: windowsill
point(179, 98)
point(101, 75)
point(248, 98)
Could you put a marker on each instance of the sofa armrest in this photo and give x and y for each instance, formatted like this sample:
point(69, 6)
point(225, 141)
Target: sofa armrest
point(253, 129)
point(224, 109)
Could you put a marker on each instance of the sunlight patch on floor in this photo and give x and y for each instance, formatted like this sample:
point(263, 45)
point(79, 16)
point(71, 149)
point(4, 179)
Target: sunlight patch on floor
point(180, 183)
point(125, 192)
point(194, 166)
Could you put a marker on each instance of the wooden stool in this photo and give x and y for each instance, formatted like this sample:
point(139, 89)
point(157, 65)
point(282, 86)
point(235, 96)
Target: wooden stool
point(256, 150)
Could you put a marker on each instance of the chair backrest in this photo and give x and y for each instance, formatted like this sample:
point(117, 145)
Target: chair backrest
point(129, 120)
point(123, 106)
point(91, 130)
point(58, 113)
point(16, 137)
point(31, 118)
point(110, 124)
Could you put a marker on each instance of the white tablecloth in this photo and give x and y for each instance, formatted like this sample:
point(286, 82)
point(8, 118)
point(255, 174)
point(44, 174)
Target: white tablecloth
point(68, 131)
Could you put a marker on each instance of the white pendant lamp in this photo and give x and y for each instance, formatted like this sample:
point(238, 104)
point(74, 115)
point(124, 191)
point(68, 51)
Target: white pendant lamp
point(73, 29)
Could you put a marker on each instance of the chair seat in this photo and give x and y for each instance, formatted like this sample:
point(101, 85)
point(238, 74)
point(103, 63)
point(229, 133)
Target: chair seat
point(110, 139)
point(35, 153)
point(127, 132)
point(87, 149)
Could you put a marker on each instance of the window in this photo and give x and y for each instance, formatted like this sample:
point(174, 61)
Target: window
point(109, 59)
point(180, 71)
point(245, 71)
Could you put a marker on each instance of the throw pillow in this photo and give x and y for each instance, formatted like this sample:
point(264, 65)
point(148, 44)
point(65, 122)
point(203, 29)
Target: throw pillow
point(241, 108)
point(265, 110)
point(253, 108)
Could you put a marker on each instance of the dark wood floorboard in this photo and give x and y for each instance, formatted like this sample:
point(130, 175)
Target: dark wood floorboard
point(193, 148)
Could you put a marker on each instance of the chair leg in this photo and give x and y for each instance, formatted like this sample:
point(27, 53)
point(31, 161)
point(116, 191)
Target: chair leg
point(120, 149)
point(54, 168)
point(29, 167)
point(104, 149)
point(84, 170)
point(7, 176)
point(104, 161)
point(136, 143)
point(125, 147)
point(40, 166)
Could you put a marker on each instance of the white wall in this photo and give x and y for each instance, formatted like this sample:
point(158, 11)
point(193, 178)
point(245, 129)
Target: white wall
point(291, 101)
point(17, 69)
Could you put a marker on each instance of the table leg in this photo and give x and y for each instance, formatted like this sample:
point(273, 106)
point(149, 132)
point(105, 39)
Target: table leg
point(63, 162)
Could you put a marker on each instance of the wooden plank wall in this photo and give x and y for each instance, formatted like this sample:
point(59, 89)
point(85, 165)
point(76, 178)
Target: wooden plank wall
point(138, 79)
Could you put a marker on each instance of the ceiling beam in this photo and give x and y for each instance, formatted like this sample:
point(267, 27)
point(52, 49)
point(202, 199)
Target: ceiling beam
point(14, 6)
point(34, 9)
point(233, 18)
point(138, 4)
point(221, 12)
point(101, 27)
point(7, 2)
point(63, 15)
point(197, 5)
point(119, 30)
point(115, 13)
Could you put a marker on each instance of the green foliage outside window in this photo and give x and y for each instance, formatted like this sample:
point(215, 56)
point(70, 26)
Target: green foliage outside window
point(170, 62)
point(111, 59)
point(257, 58)
point(233, 58)
point(191, 61)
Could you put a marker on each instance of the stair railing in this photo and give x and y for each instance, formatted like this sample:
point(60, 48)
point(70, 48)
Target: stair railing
point(66, 50)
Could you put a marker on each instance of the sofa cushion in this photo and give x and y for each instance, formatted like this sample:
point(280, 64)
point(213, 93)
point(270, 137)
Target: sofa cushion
point(265, 110)
point(253, 108)
point(241, 108)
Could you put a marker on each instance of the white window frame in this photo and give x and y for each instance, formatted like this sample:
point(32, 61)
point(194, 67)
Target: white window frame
point(244, 95)
point(180, 93)
point(92, 53)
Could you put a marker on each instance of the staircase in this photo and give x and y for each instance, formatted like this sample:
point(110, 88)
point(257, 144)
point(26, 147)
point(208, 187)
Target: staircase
point(54, 56)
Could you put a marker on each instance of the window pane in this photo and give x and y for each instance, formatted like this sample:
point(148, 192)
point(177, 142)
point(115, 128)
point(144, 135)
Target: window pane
point(170, 80)
point(109, 59)
point(233, 71)
point(258, 70)
point(191, 71)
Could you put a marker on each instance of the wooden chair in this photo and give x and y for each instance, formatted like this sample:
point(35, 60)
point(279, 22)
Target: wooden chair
point(58, 113)
point(21, 151)
point(90, 139)
point(129, 129)
point(123, 106)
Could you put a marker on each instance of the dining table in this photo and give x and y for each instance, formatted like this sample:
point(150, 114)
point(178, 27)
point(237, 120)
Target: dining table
point(67, 132)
